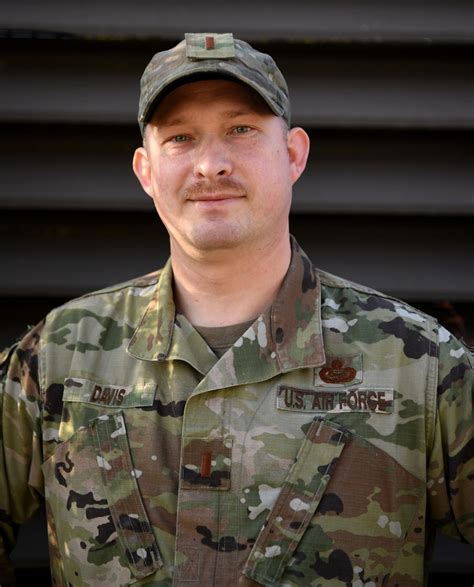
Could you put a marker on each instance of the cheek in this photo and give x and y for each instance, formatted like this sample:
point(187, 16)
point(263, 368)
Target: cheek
point(169, 174)
point(277, 172)
point(163, 185)
point(167, 189)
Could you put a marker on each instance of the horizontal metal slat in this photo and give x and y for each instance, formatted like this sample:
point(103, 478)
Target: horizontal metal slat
point(67, 83)
point(348, 172)
point(418, 20)
point(65, 255)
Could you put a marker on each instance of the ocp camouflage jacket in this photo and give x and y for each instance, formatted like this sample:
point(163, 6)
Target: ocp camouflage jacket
point(321, 449)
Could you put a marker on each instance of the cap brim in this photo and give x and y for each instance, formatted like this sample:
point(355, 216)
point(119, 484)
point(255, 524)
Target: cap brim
point(199, 72)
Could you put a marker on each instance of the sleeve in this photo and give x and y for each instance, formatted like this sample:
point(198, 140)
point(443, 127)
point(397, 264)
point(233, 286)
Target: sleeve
point(451, 463)
point(21, 483)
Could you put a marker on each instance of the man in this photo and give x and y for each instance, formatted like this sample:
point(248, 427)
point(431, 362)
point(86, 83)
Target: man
point(239, 416)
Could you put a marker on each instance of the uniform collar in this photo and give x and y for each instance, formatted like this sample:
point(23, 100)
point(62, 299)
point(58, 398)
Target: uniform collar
point(152, 339)
point(295, 315)
point(285, 337)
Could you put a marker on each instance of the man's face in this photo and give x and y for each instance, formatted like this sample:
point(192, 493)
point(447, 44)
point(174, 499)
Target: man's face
point(219, 166)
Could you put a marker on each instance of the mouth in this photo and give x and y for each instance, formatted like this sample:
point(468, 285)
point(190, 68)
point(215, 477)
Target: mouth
point(215, 199)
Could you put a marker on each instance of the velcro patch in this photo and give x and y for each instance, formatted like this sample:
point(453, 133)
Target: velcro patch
point(90, 392)
point(370, 399)
point(206, 463)
point(209, 45)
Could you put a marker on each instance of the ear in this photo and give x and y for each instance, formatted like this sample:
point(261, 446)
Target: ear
point(298, 151)
point(142, 169)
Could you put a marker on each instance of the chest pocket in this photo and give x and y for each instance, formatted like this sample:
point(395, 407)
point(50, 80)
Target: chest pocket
point(102, 528)
point(343, 513)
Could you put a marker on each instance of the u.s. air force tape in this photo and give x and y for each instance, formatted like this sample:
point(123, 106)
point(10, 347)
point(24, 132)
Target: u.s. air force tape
point(360, 399)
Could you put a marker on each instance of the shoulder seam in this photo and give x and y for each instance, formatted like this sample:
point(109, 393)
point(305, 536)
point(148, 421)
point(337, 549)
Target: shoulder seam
point(431, 388)
point(343, 283)
point(117, 288)
point(133, 283)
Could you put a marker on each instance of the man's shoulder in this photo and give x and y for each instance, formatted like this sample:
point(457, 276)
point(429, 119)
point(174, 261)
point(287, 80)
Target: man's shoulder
point(344, 295)
point(337, 282)
point(111, 300)
point(140, 283)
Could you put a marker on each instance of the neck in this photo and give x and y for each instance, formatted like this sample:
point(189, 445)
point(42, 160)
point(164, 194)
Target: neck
point(228, 286)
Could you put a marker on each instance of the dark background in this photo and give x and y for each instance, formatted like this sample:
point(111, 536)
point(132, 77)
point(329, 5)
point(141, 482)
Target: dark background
point(385, 90)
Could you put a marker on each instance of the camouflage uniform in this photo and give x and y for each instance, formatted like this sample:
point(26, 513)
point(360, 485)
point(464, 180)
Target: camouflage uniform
point(309, 454)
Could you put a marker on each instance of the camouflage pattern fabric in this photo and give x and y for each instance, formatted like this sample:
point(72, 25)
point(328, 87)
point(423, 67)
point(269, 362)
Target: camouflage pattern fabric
point(308, 454)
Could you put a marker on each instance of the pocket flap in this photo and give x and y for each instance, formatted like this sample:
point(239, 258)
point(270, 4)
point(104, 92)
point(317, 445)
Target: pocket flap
point(119, 479)
point(297, 502)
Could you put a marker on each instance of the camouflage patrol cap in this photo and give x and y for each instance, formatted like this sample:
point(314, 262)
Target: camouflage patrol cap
point(212, 55)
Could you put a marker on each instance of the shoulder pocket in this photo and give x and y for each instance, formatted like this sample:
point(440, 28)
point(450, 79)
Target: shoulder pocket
point(97, 517)
point(119, 479)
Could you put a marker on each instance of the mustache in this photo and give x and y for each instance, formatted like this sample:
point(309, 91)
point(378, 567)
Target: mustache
point(225, 185)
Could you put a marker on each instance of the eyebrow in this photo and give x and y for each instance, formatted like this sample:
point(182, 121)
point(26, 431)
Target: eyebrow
point(226, 114)
point(237, 113)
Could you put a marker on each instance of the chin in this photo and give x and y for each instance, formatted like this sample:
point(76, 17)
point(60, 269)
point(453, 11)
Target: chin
point(215, 238)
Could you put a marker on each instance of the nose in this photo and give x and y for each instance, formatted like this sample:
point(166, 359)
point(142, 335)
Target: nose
point(212, 160)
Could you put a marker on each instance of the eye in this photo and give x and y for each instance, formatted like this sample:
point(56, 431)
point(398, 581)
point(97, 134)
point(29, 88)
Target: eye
point(180, 139)
point(242, 129)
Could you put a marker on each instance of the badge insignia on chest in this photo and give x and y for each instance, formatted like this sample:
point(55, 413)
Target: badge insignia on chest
point(337, 373)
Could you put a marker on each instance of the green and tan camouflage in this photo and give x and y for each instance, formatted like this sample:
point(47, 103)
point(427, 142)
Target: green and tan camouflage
point(207, 55)
point(321, 449)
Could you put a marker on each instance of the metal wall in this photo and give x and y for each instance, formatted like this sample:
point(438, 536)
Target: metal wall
point(386, 91)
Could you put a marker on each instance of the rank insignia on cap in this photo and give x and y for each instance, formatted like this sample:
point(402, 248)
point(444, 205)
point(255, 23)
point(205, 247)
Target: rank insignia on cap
point(209, 45)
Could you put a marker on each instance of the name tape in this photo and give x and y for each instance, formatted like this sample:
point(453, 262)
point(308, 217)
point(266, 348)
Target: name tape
point(110, 396)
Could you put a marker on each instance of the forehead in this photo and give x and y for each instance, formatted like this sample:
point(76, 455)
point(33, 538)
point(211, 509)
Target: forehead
point(210, 94)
